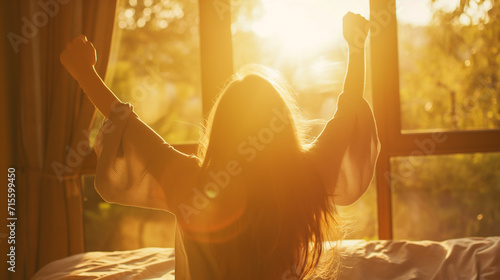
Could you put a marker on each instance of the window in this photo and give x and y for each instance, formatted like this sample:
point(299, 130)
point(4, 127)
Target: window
point(448, 71)
point(448, 65)
point(432, 79)
point(418, 113)
point(154, 65)
point(112, 227)
point(447, 196)
point(303, 40)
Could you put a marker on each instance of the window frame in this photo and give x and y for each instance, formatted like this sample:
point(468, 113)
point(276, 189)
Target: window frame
point(217, 65)
point(386, 107)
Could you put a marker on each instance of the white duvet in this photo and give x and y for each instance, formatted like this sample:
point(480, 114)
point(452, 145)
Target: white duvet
point(465, 258)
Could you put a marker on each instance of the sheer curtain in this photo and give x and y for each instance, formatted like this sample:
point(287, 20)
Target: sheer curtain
point(52, 120)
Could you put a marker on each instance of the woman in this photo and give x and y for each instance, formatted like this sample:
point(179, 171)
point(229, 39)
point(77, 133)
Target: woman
point(257, 201)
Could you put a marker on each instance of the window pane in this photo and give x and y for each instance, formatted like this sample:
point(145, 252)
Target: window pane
point(443, 197)
point(155, 65)
point(303, 40)
point(361, 217)
point(449, 64)
point(112, 227)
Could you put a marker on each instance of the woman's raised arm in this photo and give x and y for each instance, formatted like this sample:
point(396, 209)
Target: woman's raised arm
point(346, 150)
point(135, 166)
point(355, 29)
point(79, 59)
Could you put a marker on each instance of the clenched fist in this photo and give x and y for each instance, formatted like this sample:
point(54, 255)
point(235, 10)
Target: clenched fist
point(79, 57)
point(355, 29)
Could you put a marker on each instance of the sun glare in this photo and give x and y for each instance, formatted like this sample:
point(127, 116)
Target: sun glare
point(302, 26)
point(292, 25)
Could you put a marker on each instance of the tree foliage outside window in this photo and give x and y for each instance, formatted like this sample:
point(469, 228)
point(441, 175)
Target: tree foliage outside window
point(449, 68)
point(449, 80)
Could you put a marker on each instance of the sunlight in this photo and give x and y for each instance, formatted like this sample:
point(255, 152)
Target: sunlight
point(295, 29)
point(420, 12)
point(303, 26)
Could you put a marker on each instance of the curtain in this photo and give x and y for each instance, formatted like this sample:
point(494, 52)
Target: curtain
point(7, 139)
point(52, 119)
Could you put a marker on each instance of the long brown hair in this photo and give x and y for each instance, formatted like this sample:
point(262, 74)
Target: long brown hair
point(285, 215)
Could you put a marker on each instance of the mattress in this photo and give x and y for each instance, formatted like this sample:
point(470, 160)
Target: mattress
point(464, 258)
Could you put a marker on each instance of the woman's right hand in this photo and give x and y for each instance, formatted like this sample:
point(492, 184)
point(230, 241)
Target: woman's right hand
point(355, 29)
point(79, 57)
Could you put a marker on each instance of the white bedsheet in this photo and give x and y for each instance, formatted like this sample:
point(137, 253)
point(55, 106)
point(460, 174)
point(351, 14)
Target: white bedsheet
point(146, 263)
point(465, 258)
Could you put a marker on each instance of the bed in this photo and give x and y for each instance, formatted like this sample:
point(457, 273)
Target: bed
point(464, 258)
